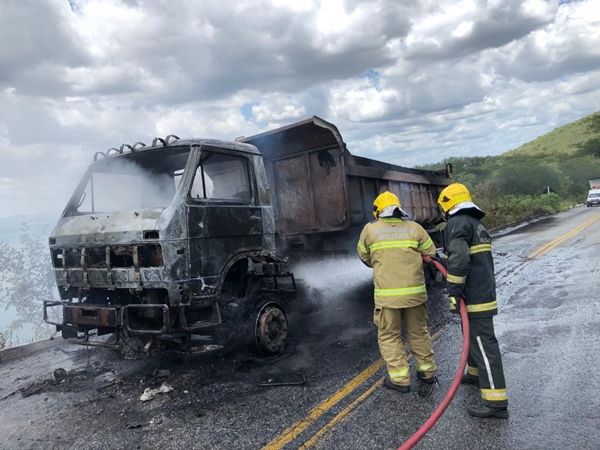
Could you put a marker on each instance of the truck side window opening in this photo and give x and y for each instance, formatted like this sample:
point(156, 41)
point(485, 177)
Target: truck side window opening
point(222, 177)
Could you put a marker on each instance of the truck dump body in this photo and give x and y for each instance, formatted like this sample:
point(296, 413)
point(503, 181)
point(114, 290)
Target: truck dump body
point(322, 194)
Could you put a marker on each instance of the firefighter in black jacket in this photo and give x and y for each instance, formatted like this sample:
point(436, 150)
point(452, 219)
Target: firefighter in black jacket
point(471, 276)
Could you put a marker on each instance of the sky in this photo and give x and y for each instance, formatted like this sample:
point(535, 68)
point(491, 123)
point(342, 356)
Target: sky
point(407, 82)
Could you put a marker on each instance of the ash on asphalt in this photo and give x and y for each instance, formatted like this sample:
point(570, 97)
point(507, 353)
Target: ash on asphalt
point(217, 398)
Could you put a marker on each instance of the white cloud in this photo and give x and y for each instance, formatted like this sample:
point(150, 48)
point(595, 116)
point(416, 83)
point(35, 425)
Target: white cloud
point(361, 100)
point(406, 82)
point(275, 108)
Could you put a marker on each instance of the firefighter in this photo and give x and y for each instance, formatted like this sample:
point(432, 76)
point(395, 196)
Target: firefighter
point(392, 245)
point(471, 276)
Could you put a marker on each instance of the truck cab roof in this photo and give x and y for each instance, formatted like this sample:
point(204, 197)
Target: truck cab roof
point(161, 144)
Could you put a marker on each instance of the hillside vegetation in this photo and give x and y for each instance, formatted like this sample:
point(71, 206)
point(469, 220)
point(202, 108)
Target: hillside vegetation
point(563, 141)
point(545, 175)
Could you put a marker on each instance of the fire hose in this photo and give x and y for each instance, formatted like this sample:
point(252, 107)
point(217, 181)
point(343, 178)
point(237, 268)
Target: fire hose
point(437, 413)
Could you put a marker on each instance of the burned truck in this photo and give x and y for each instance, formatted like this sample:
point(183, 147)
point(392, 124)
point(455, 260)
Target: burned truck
point(187, 243)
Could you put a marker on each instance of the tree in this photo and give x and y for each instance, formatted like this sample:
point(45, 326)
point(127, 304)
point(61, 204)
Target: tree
point(26, 279)
point(530, 177)
point(591, 147)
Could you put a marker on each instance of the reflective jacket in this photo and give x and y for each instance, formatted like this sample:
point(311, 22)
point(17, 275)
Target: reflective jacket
point(470, 263)
point(393, 248)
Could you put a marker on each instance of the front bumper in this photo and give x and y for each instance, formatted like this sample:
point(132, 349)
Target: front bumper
point(135, 318)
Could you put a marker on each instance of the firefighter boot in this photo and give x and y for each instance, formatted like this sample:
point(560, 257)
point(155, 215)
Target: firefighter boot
point(426, 386)
point(397, 387)
point(485, 411)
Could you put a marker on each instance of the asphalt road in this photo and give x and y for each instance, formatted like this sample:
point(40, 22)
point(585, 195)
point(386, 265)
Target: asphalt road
point(548, 328)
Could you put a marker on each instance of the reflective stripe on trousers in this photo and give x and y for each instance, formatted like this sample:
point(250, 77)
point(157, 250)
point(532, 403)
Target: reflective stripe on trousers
point(494, 395)
point(426, 367)
point(399, 373)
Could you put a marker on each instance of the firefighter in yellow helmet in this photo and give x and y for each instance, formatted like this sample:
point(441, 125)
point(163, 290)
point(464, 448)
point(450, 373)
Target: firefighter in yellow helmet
point(471, 276)
point(392, 245)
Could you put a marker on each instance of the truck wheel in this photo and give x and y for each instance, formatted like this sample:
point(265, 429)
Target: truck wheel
point(270, 329)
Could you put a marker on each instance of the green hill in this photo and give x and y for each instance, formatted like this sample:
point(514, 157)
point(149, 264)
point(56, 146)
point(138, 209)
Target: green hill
point(570, 139)
point(543, 176)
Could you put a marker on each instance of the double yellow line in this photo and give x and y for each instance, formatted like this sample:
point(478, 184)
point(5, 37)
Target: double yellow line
point(341, 416)
point(295, 430)
point(550, 245)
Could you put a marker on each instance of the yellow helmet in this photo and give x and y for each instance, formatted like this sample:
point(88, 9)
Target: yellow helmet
point(384, 200)
point(452, 195)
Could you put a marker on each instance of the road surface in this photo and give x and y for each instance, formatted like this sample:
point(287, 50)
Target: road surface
point(548, 328)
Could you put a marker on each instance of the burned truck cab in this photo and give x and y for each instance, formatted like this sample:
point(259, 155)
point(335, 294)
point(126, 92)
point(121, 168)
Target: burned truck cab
point(170, 246)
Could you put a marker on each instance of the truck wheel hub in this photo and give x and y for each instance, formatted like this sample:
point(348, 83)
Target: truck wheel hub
point(271, 329)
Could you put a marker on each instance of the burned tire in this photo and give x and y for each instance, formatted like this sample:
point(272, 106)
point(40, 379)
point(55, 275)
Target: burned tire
point(269, 330)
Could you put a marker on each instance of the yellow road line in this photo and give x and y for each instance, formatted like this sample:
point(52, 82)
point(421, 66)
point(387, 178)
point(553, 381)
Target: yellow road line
point(292, 432)
point(554, 243)
point(341, 416)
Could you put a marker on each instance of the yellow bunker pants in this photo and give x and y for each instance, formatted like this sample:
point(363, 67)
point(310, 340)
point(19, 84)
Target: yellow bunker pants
point(389, 322)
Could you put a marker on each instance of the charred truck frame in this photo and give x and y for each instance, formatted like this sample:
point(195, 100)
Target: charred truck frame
point(179, 245)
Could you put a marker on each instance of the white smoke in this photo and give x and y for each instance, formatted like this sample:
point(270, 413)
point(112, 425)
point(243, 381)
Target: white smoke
point(335, 279)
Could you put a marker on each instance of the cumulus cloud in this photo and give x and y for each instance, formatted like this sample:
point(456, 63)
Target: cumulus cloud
point(406, 82)
point(569, 45)
point(458, 29)
point(39, 42)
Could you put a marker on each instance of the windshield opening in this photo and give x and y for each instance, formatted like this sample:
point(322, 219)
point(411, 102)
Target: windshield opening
point(135, 181)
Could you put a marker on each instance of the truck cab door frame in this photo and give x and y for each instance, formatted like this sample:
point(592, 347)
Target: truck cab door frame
point(224, 223)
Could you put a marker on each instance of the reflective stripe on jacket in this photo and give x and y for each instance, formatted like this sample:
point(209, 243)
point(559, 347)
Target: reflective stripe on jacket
point(393, 248)
point(470, 263)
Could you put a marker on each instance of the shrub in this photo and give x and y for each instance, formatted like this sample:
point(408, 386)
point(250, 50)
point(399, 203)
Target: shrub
point(508, 209)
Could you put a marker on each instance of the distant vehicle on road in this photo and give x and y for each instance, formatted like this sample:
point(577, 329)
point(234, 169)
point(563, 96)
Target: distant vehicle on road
point(593, 198)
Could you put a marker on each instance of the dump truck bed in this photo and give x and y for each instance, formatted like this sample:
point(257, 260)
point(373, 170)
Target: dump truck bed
point(318, 187)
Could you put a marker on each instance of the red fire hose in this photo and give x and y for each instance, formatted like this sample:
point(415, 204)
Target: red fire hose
point(437, 413)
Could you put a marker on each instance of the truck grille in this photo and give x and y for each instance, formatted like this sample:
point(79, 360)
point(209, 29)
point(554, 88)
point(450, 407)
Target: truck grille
point(148, 255)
